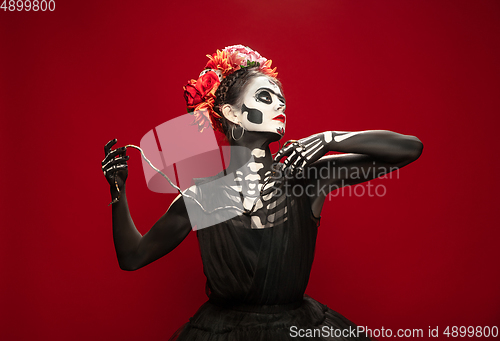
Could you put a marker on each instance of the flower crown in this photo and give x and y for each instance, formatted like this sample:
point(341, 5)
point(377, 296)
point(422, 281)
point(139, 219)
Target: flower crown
point(200, 93)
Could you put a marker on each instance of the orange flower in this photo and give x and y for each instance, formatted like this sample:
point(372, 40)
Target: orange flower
point(266, 69)
point(220, 60)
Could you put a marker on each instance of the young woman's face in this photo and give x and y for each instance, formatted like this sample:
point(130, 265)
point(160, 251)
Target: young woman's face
point(263, 107)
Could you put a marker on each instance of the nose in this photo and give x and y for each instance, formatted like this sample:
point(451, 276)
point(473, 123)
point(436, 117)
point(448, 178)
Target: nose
point(280, 106)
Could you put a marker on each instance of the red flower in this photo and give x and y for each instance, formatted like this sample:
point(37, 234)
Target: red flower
point(192, 96)
point(196, 91)
point(207, 82)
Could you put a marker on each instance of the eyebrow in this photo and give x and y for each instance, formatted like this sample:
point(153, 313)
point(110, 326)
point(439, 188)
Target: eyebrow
point(274, 93)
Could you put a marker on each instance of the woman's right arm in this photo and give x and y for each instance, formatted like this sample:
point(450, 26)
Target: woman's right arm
point(132, 249)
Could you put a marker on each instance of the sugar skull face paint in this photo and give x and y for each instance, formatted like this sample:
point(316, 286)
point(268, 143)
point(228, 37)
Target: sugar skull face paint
point(263, 107)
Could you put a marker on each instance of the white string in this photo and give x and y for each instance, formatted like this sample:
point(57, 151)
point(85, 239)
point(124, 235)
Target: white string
point(174, 185)
point(152, 166)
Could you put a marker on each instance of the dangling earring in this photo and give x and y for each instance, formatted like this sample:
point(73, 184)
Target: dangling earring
point(232, 133)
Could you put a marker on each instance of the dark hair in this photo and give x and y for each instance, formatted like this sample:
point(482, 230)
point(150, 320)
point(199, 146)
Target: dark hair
point(230, 91)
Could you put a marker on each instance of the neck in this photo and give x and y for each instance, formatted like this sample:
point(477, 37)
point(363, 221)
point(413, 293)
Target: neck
point(250, 164)
point(252, 147)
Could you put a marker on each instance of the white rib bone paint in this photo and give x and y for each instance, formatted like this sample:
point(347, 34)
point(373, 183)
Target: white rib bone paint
point(257, 152)
point(340, 138)
point(252, 177)
point(328, 136)
point(256, 222)
point(254, 166)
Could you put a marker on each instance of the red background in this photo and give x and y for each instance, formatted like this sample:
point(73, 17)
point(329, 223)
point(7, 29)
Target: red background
point(425, 254)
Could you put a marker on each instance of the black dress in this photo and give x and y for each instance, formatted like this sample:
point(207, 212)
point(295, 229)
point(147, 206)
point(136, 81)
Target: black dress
point(256, 278)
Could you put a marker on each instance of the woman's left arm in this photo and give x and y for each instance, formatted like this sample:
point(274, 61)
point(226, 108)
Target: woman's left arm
point(371, 154)
point(383, 145)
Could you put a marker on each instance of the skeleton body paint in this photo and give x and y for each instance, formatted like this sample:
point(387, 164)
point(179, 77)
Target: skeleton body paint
point(343, 135)
point(306, 151)
point(257, 193)
point(250, 190)
point(263, 107)
point(253, 115)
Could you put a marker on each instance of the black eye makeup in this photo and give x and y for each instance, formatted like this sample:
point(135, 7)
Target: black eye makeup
point(264, 95)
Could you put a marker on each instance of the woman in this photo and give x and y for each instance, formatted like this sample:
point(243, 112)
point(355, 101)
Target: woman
point(257, 220)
